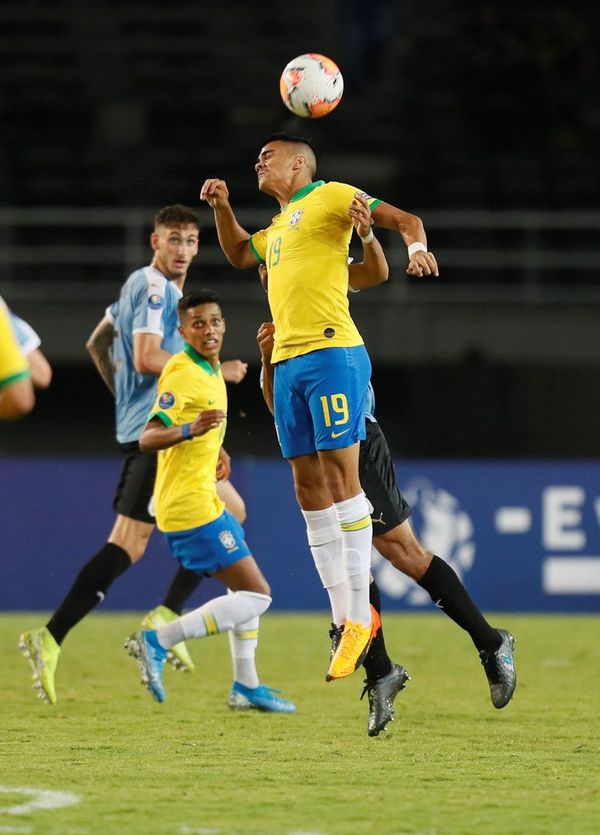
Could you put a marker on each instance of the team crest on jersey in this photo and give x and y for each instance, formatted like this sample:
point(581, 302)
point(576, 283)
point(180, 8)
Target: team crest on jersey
point(156, 301)
point(295, 218)
point(227, 540)
point(166, 400)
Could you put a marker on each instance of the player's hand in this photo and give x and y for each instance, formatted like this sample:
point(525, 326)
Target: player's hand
point(215, 193)
point(234, 371)
point(266, 340)
point(223, 465)
point(206, 421)
point(264, 277)
point(361, 214)
point(423, 263)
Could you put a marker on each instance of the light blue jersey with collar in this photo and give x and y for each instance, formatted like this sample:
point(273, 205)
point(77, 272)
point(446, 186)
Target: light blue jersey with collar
point(147, 304)
point(27, 338)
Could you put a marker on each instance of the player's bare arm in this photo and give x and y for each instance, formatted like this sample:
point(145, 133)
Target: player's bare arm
point(234, 371)
point(41, 370)
point(223, 465)
point(374, 268)
point(16, 399)
point(99, 347)
point(158, 436)
point(265, 339)
point(148, 356)
point(233, 238)
point(421, 262)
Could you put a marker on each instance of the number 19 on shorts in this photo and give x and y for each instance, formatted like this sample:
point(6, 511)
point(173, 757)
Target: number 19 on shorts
point(335, 404)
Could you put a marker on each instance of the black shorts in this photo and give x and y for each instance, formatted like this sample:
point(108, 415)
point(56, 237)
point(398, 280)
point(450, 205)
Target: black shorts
point(136, 484)
point(378, 480)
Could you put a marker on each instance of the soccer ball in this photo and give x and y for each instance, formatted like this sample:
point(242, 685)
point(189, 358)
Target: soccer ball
point(311, 85)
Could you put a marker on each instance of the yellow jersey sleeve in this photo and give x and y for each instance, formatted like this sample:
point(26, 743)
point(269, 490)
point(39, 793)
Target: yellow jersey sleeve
point(13, 365)
point(258, 245)
point(173, 397)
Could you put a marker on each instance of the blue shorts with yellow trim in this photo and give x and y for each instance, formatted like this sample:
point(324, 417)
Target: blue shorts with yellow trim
point(319, 400)
point(211, 547)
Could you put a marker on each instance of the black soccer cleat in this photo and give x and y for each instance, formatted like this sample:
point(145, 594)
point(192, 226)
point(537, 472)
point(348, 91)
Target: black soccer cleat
point(381, 695)
point(335, 633)
point(499, 668)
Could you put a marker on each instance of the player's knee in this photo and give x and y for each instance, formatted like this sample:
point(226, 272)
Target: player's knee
point(258, 602)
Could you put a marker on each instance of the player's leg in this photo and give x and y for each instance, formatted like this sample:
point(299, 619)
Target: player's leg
point(218, 549)
point(336, 401)
point(319, 404)
point(185, 583)
point(323, 533)
point(385, 679)
point(395, 540)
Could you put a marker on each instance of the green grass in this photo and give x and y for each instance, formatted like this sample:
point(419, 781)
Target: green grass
point(450, 764)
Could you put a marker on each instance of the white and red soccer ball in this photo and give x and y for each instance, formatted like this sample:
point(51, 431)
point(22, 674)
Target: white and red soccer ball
point(311, 85)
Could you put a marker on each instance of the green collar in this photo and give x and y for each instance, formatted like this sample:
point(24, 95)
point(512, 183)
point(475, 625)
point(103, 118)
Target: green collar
point(306, 190)
point(199, 359)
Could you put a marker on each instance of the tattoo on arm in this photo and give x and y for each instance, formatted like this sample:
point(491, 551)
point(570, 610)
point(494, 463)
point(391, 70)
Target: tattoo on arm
point(99, 346)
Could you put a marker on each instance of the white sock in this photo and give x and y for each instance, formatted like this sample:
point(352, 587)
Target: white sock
point(243, 641)
point(221, 614)
point(325, 541)
point(357, 533)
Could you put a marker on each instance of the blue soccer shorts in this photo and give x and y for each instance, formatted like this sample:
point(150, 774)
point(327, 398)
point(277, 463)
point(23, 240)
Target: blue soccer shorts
point(320, 398)
point(211, 547)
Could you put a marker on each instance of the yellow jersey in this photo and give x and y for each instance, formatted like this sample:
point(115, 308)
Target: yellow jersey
point(305, 250)
point(185, 492)
point(13, 365)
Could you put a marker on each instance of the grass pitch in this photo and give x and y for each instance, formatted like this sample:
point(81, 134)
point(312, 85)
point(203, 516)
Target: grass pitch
point(450, 763)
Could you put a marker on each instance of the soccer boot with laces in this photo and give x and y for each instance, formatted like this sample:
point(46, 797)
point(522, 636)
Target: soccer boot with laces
point(499, 668)
point(381, 694)
point(178, 656)
point(259, 698)
point(150, 657)
point(42, 651)
point(353, 647)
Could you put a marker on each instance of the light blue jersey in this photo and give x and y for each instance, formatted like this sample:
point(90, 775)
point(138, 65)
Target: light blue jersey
point(148, 304)
point(27, 338)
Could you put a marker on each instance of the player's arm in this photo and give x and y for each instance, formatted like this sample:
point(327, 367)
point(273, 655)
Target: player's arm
point(233, 238)
point(148, 356)
point(420, 260)
point(374, 268)
point(157, 435)
point(223, 465)
point(234, 371)
point(41, 370)
point(265, 339)
point(99, 347)
point(17, 398)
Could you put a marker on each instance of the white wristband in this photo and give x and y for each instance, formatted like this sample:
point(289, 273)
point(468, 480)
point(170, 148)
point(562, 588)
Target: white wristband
point(368, 238)
point(416, 247)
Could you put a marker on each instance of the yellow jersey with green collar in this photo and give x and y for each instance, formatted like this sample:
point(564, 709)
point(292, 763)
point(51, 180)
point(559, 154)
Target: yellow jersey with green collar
point(185, 492)
point(13, 365)
point(305, 250)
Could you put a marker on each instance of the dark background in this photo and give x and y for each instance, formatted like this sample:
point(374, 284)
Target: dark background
point(448, 108)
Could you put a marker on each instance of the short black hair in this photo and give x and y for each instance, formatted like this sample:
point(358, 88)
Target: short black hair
point(197, 297)
point(176, 215)
point(288, 137)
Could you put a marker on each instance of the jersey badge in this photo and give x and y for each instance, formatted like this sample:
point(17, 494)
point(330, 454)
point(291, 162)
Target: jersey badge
point(156, 301)
point(227, 540)
point(296, 217)
point(166, 400)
